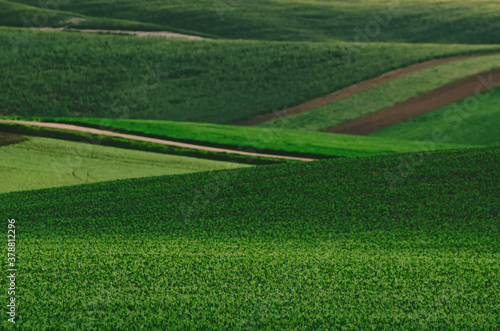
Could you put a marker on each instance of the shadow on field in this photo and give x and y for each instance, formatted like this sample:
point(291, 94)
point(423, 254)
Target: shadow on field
point(11, 138)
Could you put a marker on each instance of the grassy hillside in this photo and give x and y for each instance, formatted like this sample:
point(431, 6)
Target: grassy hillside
point(472, 121)
point(322, 245)
point(88, 75)
point(44, 14)
point(35, 163)
point(388, 94)
point(367, 239)
point(271, 140)
point(451, 21)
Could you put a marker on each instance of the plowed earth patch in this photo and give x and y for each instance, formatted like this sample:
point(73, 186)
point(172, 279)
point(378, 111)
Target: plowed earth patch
point(421, 104)
point(353, 89)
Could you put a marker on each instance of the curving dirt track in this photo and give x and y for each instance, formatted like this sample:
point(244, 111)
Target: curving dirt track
point(164, 34)
point(353, 89)
point(152, 140)
point(421, 104)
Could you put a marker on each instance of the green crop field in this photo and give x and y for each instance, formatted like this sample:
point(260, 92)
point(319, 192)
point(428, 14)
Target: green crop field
point(89, 75)
point(45, 14)
point(329, 246)
point(272, 140)
point(474, 121)
point(451, 21)
point(388, 94)
point(35, 163)
point(396, 230)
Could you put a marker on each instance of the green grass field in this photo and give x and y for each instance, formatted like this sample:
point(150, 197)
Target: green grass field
point(451, 21)
point(271, 140)
point(322, 245)
point(89, 75)
point(40, 163)
point(474, 121)
point(397, 230)
point(23, 15)
point(388, 94)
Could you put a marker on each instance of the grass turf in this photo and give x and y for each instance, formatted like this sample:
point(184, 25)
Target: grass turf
point(322, 245)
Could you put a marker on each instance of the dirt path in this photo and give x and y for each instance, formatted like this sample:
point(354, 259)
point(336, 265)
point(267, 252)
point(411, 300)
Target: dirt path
point(420, 104)
point(353, 89)
point(152, 140)
point(164, 34)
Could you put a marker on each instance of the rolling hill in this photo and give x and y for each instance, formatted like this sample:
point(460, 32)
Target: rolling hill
point(390, 93)
point(325, 244)
point(210, 81)
point(415, 21)
point(176, 214)
point(34, 163)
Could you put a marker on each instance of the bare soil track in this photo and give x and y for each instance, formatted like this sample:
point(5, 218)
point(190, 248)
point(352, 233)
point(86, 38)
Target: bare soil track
point(152, 140)
point(421, 104)
point(353, 89)
point(164, 34)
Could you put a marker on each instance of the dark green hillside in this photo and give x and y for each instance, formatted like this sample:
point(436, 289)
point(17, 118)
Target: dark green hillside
point(323, 245)
point(88, 75)
point(454, 21)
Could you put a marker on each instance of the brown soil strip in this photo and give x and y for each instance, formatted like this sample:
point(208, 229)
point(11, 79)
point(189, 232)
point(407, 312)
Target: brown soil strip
point(353, 89)
point(420, 104)
point(152, 140)
point(164, 34)
point(10, 139)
